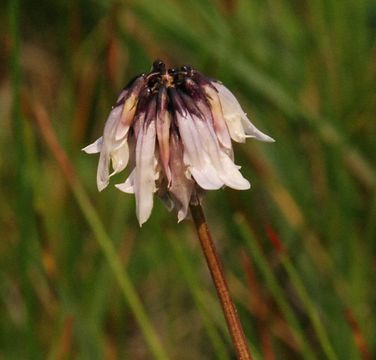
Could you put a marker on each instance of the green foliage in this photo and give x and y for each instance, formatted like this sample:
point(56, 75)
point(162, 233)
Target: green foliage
point(80, 279)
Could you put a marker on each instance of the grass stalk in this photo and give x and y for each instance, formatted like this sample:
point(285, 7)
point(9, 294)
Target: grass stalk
point(100, 233)
point(276, 290)
point(190, 278)
point(311, 310)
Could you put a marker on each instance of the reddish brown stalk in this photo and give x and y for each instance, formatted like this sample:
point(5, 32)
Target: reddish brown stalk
point(215, 267)
point(358, 335)
point(64, 346)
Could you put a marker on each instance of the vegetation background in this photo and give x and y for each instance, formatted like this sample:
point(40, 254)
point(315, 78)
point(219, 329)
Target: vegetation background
point(80, 280)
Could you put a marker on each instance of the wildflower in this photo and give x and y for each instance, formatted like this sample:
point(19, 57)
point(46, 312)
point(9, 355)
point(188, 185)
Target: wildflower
point(174, 127)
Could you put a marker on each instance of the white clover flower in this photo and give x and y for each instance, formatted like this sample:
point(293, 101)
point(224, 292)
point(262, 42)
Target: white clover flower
point(174, 128)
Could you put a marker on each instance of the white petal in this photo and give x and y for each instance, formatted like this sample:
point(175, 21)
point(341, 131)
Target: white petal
point(108, 145)
point(103, 175)
point(181, 186)
point(195, 158)
point(219, 122)
point(111, 125)
point(128, 185)
point(226, 170)
point(129, 107)
point(252, 131)
point(127, 116)
point(235, 127)
point(182, 213)
point(144, 185)
point(228, 100)
point(206, 177)
point(120, 158)
point(236, 119)
point(231, 175)
point(163, 134)
point(95, 147)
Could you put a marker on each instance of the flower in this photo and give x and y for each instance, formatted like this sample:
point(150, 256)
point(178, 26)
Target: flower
point(174, 128)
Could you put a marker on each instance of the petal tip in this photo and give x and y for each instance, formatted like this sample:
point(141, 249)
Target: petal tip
point(102, 185)
point(142, 219)
point(93, 148)
point(268, 138)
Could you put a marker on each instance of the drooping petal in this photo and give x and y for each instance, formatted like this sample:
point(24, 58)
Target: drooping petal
point(161, 184)
point(111, 125)
point(110, 147)
point(235, 128)
point(251, 131)
point(144, 185)
point(219, 122)
point(231, 175)
point(128, 185)
point(95, 147)
point(181, 186)
point(120, 157)
point(163, 131)
point(236, 119)
point(103, 174)
point(202, 105)
point(121, 97)
point(141, 110)
point(194, 157)
point(233, 120)
point(108, 144)
point(129, 107)
point(226, 170)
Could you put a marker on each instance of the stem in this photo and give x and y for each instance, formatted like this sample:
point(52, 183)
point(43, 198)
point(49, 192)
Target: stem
point(215, 267)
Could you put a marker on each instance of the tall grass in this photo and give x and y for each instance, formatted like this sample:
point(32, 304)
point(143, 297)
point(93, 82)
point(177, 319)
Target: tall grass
point(79, 279)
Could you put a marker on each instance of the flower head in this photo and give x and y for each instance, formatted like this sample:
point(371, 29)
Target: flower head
point(174, 128)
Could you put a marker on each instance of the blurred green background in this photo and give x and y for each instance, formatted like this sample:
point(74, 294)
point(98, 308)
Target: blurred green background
point(80, 280)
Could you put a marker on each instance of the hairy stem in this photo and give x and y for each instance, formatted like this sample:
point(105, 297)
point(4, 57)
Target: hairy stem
point(215, 267)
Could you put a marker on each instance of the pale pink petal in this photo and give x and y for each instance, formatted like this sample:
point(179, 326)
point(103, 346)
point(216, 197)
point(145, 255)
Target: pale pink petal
point(138, 123)
point(111, 125)
point(206, 177)
point(226, 170)
point(120, 157)
point(232, 117)
point(236, 119)
point(219, 122)
point(122, 95)
point(95, 147)
point(235, 128)
point(161, 185)
point(128, 185)
point(181, 186)
point(108, 144)
point(163, 132)
point(126, 118)
point(195, 158)
point(129, 107)
point(231, 175)
point(252, 132)
point(103, 174)
point(144, 185)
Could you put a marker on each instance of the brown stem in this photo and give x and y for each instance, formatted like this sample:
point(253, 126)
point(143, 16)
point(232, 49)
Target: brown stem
point(215, 267)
